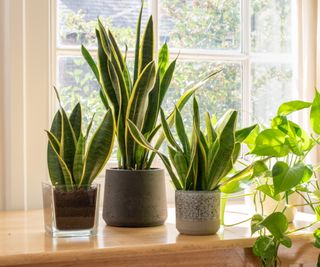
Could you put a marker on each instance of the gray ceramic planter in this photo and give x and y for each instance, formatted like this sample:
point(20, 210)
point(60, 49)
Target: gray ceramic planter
point(135, 198)
point(197, 212)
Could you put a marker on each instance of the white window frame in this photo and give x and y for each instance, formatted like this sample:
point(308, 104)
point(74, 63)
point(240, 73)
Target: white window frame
point(244, 57)
point(27, 73)
point(25, 80)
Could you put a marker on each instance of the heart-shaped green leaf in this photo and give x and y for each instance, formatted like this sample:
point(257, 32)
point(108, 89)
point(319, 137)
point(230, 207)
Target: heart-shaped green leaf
point(277, 224)
point(242, 134)
point(316, 235)
point(271, 142)
point(285, 178)
point(256, 223)
point(264, 247)
point(291, 106)
point(269, 191)
point(286, 241)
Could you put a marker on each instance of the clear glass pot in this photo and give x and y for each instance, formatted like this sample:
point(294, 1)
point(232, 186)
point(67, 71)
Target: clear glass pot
point(71, 211)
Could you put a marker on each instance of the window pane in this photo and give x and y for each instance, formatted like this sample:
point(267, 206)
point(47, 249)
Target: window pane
point(211, 24)
point(271, 26)
point(77, 20)
point(271, 85)
point(216, 96)
point(76, 82)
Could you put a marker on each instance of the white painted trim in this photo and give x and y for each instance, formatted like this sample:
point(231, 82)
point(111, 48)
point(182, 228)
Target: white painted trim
point(155, 15)
point(53, 63)
point(2, 75)
point(246, 81)
point(25, 97)
point(37, 67)
point(24, 106)
point(13, 106)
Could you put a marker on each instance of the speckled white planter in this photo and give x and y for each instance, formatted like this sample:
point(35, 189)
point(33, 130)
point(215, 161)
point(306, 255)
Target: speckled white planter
point(197, 212)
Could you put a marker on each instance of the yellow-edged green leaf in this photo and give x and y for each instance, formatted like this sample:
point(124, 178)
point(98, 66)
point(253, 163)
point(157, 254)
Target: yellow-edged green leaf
point(105, 80)
point(125, 91)
point(163, 59)
point(79, 159)
point(152, 107)
point(180, 105)
point(68, 141)
point(105, 42)
point(137, 106)
point(211, 134)
point(99, 149)
point(68, 181)
point(236, 153)
point(139, 96)
point(166, 80)
point(139, 138)
point(137, 47)
point(167, 132)
point(181, 131)
point(76, 120)
point(89, 127)
point(55, 172)
point(219, 167)
point(181, 165)
point(115, 83)
point(90, 62)
point(315, 113)
point(146, 46)
point(172, 153)
point(116, 50)
point(104, 98)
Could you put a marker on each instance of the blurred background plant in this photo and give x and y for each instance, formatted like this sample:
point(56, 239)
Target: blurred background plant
point(212, 25)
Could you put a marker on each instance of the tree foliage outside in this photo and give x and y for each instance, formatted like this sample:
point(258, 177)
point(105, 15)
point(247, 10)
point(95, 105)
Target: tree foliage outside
point(201, 24)
point(210, 24)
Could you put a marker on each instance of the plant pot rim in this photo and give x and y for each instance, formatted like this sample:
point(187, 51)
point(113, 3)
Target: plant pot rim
point(127, 170)
point(94, 184)
point(199, 191)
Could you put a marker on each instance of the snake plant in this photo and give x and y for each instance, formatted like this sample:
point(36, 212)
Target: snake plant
point(136, 98)
point(204, 160)
point(71, 161)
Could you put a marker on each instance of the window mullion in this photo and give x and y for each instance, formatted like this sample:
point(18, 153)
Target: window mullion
point(53, 71)
point(155, 14)
point(246, 65)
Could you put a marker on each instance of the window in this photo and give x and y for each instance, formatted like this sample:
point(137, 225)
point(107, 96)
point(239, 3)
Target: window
point(251, 39)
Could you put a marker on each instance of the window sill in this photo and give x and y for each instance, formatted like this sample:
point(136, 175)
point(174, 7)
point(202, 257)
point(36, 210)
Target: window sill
point(23, 242)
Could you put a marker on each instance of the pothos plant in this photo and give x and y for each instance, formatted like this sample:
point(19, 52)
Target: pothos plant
point(204, 160)
point(74, 159)
point(136, 98)
point(288, 145)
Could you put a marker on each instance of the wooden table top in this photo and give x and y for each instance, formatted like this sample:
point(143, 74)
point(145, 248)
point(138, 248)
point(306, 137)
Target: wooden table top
point(23, 241)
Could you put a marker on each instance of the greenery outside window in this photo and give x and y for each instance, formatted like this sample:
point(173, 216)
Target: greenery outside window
point(252, 40)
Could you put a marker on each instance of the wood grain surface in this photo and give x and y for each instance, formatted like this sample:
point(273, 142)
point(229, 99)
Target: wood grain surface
point(23, 242)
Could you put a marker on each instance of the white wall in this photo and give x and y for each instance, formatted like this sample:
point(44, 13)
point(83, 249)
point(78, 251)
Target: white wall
point(25, 89)
point(37, 72)
point(1, 106)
